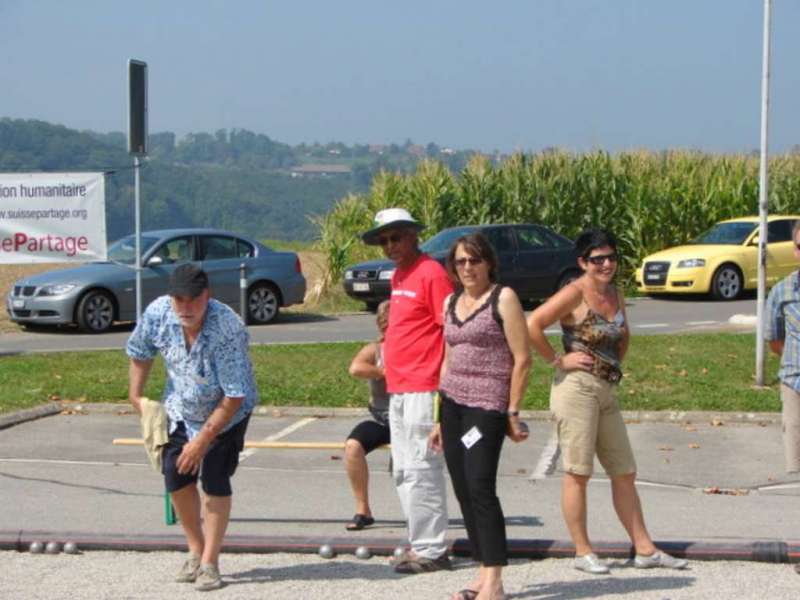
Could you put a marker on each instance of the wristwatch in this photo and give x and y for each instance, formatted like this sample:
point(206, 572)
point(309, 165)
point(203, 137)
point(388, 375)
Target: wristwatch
point(512, 413)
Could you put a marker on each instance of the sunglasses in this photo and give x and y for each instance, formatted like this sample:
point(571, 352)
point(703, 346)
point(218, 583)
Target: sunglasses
point(393, 239)
point(600, 259)
point(471, 261)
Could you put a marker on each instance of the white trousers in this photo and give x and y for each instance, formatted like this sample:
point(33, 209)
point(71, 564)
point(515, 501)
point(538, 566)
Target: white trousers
point(418, 472)
point(791, 428)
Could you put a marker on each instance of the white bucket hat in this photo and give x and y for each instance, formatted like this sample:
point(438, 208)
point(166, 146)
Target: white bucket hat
point(389, 218)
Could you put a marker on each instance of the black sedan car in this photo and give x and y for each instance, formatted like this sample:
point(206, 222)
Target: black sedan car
point(534, 262)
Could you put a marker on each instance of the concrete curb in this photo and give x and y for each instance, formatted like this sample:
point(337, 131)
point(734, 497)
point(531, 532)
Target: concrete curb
point(770, 551)
point(750, 320)
point(29, 414)
point(630, 416)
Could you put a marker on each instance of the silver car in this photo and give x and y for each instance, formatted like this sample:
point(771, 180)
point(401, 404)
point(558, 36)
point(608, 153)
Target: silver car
point(96, 294)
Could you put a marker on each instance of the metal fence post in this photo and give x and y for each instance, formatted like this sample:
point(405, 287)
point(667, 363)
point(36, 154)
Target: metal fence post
point(243, 292)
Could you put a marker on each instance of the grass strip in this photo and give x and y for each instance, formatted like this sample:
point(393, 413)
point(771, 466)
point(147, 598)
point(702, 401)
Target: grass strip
point(662, 372)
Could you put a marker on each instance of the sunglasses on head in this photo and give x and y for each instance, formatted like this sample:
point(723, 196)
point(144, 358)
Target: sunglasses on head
point(393, 238)
point(601, 258)
point(471, 260)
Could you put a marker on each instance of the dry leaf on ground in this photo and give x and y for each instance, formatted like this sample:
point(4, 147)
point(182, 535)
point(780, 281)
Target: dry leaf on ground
point(726, 491)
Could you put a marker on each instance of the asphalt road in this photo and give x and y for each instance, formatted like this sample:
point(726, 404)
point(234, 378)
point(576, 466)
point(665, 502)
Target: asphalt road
point(647, 316)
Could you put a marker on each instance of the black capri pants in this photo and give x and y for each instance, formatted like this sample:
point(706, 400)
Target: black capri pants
point(219, 463)
point(473, 473)
point(371, 435)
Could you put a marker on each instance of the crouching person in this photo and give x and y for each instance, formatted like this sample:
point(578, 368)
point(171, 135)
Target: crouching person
point(209, 395)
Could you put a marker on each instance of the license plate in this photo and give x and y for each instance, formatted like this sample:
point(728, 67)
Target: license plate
point(360, 286)
point(649, 277)
point(18, 303)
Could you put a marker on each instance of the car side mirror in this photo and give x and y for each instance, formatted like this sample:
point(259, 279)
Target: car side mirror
point(154, 261)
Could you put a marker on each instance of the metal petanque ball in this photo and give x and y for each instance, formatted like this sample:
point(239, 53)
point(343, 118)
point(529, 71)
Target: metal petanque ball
point(52, 548)
point(399, 552)
point(36, 548)
point(71, 548)
point(524, 427)
point(327, 551)
point(363, 553)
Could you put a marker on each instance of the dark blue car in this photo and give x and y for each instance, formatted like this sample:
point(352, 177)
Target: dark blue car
point(534, 262)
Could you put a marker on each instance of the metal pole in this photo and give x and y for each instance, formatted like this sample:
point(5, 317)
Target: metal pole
point(763, 201)
point(243, 292)
point(137, 210)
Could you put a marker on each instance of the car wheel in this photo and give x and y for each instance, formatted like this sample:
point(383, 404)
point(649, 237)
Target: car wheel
point(95, 312)
point(263, 303)
point(726, 283)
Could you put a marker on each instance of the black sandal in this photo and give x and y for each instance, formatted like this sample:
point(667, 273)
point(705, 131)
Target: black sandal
point(358, 522)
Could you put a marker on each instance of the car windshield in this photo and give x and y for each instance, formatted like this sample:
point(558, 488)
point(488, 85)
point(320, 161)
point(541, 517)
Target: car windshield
point(124, 250)
point(726, 233)
point(442, 241)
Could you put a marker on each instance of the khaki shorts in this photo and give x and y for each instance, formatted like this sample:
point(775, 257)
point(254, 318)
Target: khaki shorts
point(589, 422)
point(791, 428)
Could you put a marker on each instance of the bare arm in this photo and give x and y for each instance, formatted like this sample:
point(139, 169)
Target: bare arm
point(626, 332)
point(446, 358)
point(365, 363)
point(193, 451)
point(138, 372)
point(516, 333)
point(560, 305)
point(513, 317)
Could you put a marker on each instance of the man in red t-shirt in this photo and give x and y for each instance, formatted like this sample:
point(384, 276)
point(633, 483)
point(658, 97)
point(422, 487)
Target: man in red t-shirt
point(413, 351)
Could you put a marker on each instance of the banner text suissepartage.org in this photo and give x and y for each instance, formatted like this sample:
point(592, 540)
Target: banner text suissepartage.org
point(69, 245)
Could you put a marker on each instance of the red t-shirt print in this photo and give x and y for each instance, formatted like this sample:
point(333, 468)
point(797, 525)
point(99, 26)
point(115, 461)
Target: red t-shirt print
point(414, 344)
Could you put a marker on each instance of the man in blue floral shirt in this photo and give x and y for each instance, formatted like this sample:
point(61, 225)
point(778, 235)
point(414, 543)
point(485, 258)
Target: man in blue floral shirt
point(209, 395)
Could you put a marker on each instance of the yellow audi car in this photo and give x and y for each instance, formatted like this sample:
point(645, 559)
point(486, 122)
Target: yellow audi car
point(723, 261)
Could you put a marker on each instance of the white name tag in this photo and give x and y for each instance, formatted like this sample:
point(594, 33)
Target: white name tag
point(470, 438)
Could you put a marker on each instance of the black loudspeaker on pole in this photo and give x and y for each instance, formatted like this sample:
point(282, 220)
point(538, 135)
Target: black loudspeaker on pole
point(137, 105)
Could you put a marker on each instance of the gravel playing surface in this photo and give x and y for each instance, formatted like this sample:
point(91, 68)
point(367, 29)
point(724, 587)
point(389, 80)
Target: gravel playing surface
point(121, 575)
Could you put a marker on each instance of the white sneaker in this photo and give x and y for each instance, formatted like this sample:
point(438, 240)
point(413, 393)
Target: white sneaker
point(208, 578)
point(589, 563)
point(659, 559)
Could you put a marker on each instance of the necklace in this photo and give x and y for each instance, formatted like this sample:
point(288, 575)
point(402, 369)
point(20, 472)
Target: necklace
point(471, 301)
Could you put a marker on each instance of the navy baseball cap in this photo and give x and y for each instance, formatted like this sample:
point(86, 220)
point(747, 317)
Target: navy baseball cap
point(188, 280)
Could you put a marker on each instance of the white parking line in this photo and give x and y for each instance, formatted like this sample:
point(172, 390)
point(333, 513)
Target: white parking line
point(276, 436)
point(701, 322)
point(61, 461)
point(547, 459)
point(651, 325)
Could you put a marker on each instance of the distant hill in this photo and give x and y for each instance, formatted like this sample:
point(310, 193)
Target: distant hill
point(236, 180)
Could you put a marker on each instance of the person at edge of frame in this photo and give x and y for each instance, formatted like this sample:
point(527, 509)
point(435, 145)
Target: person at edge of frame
point(209, 395)
point(782, 333)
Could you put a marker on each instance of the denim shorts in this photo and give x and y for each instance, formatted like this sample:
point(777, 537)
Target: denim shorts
point(219, 463)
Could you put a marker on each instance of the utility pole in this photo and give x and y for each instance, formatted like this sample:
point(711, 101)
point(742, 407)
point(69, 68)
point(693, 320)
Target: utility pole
point(137, 147)
point(763, 199)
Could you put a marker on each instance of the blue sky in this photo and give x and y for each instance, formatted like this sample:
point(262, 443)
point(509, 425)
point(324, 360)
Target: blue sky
point(524, 74)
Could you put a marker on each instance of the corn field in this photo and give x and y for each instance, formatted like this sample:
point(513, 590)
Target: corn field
point(649, 200)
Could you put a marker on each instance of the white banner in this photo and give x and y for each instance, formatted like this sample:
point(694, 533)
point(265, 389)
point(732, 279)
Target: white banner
point(52, 217)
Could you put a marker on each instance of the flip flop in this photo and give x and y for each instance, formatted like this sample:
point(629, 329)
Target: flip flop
point(465, 594)
point(358, 522)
